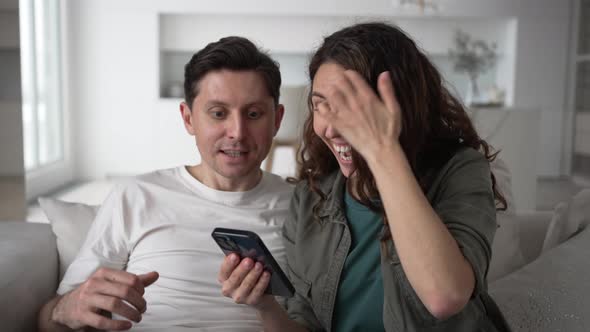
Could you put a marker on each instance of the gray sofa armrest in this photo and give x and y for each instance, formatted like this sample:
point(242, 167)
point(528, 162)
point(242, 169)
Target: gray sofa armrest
point(28, 273)
point(533, 227)
point(551, 293)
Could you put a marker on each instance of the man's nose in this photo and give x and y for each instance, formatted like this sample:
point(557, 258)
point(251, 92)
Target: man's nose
point(236, 127)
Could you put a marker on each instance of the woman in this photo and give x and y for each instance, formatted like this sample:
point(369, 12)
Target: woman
point(394, 214)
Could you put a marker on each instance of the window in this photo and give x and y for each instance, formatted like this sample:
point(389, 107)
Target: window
point(41, 83)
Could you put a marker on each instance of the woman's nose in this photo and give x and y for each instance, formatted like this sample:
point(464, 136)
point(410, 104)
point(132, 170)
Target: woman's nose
point(331, 132)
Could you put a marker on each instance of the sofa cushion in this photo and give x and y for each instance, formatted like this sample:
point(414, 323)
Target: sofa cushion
point(568, 218)
point(506, 253)
point(551, 293)
point(70, 223)
point(28, 273)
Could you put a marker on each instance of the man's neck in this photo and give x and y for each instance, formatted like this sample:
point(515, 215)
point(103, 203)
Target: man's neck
point(218, 182)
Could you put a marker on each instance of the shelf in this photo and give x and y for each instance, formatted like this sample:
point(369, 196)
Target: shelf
point(292, 38)
point(293, 70)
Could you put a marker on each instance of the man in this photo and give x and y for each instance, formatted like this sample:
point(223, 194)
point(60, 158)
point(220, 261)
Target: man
point(149, 261)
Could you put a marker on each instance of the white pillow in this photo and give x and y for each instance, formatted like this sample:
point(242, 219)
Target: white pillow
point(70, 223)
point(568, 218)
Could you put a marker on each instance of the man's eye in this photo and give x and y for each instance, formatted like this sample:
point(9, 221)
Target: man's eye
point(218, 114)
point(254, 114)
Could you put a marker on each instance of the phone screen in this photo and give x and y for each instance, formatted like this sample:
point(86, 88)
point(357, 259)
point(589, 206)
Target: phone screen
point(248, 244)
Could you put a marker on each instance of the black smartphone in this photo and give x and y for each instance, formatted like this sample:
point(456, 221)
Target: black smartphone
point(249, 244)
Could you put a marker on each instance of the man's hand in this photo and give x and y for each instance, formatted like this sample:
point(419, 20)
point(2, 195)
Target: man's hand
point(244, 281)
point(115, 291)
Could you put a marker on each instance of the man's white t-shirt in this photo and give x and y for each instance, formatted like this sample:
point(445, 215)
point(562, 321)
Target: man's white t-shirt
point(162, 221)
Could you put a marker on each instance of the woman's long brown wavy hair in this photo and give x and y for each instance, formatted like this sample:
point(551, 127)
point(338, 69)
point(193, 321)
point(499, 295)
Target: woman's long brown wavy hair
point(434, 122)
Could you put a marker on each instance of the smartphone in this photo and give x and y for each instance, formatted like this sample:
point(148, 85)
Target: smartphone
point(248, 244)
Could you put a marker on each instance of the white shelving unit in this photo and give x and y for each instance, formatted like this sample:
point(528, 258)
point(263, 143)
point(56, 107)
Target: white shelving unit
point(291, 40)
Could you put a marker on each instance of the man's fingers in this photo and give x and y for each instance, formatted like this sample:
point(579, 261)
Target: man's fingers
point(103, 323)
point(122, 277)
point(148, 278)
point(227, 267)
point(249, 282)
point(121, 291)
point(115, 305)
point(231, 284)
point(258, 291)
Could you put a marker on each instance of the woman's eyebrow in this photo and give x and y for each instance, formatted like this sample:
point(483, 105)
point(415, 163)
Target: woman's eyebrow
point(317, 94)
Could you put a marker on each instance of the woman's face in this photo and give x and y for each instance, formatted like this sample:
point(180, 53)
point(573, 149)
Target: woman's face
point(325, 75)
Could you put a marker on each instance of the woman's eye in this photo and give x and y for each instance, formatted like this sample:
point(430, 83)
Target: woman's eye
point(316, 106)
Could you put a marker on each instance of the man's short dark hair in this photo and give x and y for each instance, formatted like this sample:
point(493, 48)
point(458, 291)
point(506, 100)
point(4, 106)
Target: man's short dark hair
point(232, 53)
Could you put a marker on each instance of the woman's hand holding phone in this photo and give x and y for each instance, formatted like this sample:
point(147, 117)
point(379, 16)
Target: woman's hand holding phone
point(245, 281)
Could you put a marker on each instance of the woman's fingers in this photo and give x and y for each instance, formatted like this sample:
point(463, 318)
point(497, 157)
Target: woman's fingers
point(359, 84)
point(387, 91)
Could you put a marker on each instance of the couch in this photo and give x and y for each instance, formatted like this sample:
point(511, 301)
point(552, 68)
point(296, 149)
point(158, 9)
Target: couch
point(539, 274)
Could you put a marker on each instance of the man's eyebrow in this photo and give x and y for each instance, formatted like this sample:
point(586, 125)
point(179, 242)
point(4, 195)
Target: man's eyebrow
point(255, 103)
point(215, 102)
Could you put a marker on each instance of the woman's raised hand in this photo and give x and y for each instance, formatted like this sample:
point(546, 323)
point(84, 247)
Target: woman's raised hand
point(368, 122)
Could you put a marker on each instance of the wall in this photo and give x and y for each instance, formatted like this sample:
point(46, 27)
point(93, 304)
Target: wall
point(11, 147)
point(12, 184)
point(123, 127)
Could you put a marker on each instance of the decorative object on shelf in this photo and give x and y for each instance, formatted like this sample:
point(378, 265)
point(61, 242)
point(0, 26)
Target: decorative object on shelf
point(175, 90)
point(421, 5)
point(474, 57)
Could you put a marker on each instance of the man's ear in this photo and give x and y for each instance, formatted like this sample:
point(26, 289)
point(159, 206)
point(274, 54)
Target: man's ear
point(279, 113)
point(187, 118)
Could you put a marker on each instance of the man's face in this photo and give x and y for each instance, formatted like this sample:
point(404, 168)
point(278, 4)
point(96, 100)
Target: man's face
point(234, 120)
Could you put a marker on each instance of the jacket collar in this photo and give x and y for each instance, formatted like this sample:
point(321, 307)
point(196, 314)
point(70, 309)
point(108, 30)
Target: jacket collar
point(333, 186)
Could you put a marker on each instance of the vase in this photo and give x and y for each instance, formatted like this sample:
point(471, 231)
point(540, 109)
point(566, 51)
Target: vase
point(473, 95)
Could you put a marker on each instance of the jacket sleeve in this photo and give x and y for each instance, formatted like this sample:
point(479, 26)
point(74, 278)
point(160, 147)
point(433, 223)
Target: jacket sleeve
point(463, 199)
point(466, 205)
point(298, 307)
